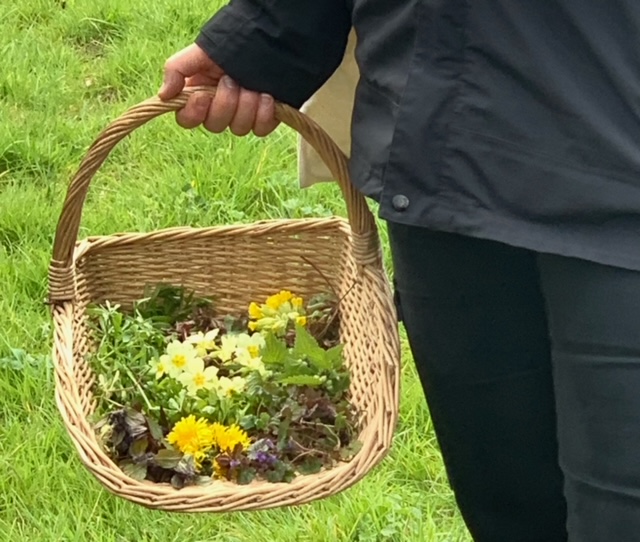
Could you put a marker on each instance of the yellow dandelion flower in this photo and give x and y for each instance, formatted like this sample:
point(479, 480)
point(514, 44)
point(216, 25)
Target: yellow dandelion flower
point(192, 436)
point(177, 357)
point(218, 470)
point(231, 437)
point(217, 429)
point(196, 377)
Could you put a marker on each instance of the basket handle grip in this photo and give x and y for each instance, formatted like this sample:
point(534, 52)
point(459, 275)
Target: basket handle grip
point(361, 219)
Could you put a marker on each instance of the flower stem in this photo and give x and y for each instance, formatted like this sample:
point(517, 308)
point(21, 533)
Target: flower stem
point(137, 384)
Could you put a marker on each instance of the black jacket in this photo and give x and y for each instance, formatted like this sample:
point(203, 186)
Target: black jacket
point(514, 120)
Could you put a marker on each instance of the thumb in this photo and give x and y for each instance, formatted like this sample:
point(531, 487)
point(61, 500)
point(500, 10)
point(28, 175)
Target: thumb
point(172, 85)
point(178, 67)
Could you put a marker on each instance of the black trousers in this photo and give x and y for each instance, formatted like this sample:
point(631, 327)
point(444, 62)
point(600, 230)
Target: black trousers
point(530, 364)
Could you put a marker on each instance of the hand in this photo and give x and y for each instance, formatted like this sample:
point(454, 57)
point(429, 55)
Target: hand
point(233, 107)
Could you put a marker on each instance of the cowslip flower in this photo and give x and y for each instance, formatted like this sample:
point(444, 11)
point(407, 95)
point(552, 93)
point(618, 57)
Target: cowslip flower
point(203, 342)
point(191, 436)
point(195, 377)
point(276, 313)
point(255, 312)
point(177, 357)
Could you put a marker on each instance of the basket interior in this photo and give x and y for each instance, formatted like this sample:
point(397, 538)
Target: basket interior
point(235, 270)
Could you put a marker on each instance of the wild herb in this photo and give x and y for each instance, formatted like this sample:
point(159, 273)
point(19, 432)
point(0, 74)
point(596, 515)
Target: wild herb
point(186, 395)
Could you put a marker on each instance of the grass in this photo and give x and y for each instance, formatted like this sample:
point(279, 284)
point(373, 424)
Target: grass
point(68, 68)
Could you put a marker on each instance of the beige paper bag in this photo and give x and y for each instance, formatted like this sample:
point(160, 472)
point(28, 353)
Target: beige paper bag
point(331, 107)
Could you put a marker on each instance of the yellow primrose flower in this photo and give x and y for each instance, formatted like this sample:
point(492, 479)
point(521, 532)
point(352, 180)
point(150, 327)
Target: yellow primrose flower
point(192, 436)
point(253, 326)
point(301, 320)
point(256, 364)
point(228, 386)
point(196, 377)
point(203, 343)
point(228, 345)
point(177, 357)
point(231, 437)
point(159, 367)
point(251, 343)
point(296, 302)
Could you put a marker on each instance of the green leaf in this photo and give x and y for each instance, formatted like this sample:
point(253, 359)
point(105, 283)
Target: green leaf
point(154, 429)
point(307, 347)
point(334, 356)
point(303, 380)
point(167, 459)
point(138, 447)
point(246, 476)
point(248, 422)
point(134, 470)
point(186, 466)
point(348, 452)
point(274, 350)
point(281, 473)
point(311, 465)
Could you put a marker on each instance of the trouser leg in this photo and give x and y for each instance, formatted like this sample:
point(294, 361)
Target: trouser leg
point(476, 325)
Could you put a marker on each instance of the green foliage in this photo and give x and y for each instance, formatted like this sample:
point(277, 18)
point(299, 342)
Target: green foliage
point(299, 407)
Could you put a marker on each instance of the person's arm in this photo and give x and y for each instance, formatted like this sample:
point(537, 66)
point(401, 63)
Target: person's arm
point(286, 48)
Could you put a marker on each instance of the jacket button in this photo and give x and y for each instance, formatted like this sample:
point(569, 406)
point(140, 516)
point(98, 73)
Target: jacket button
point(400, 202)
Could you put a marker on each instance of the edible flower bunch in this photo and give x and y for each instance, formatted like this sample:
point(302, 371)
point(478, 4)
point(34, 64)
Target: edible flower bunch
point(189, 396)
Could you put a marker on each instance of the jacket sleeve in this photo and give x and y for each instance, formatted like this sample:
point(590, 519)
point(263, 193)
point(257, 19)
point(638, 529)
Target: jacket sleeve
point(286, 48)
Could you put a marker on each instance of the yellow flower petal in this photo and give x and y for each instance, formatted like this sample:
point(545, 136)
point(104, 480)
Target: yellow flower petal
point(255, 312)
point(192, 436)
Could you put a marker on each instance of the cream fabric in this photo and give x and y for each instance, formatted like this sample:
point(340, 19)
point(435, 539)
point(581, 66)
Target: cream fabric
point(331, 107)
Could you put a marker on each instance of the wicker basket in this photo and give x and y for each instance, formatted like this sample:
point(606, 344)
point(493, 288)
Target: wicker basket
point(117, 268)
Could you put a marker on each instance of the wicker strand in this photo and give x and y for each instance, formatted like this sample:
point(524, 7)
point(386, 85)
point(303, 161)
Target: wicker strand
point(360, 217)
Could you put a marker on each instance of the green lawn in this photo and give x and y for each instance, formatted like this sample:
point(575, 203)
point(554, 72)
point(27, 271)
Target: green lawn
point(66, 70)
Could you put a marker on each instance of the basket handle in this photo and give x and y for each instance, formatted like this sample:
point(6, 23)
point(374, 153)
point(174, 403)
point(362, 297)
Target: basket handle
point(362, 222)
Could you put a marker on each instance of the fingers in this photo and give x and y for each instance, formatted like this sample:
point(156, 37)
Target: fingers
point(240, 110)
point(265, 122)
point(224, 106)
point(195, 111)
point(245, 115)
point(233, 107)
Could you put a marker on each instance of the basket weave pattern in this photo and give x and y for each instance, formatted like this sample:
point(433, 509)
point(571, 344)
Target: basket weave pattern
point(234, 265)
